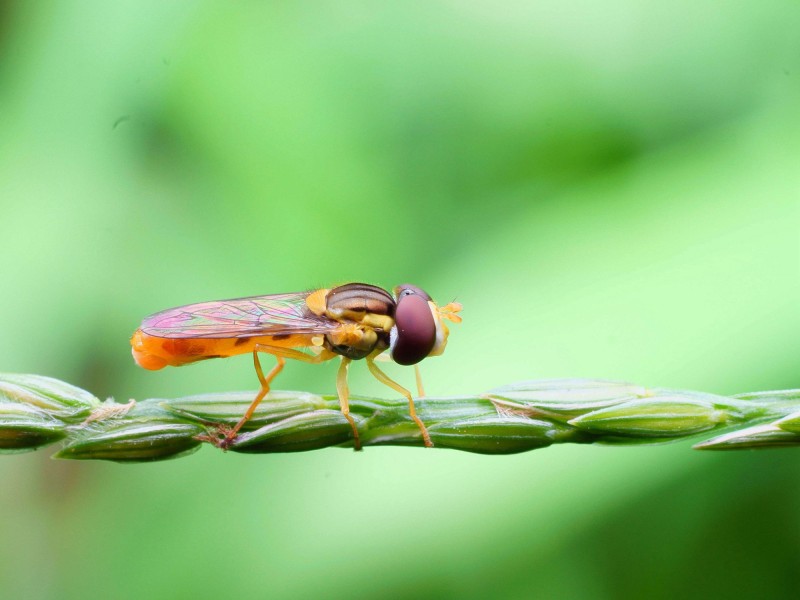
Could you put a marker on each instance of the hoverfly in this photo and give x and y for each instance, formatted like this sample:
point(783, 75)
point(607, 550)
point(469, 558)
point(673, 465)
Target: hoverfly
point(353, 321)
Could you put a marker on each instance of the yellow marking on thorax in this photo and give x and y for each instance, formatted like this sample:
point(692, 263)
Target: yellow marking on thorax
point(383, 322)
point(316, 301)
point(354, 335)
point(366, 320)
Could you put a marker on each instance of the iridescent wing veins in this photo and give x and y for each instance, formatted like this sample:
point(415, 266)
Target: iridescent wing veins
point(277, 314)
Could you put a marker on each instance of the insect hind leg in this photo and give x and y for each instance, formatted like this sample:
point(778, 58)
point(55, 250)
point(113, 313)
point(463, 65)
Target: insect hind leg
point(280, 354)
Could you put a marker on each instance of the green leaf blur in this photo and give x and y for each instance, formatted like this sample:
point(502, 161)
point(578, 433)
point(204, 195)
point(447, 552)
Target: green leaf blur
point(610, 189)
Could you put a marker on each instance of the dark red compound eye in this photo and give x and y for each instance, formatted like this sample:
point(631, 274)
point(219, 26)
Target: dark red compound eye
point(415, 328)
point(407, 289)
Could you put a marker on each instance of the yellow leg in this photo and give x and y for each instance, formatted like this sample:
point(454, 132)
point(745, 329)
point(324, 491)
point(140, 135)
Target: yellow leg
point(280, 354)
point(418, 375)
point(384, 379)
point(344, 399)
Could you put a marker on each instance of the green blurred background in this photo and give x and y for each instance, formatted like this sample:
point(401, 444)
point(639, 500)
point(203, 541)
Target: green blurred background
point(612, 190)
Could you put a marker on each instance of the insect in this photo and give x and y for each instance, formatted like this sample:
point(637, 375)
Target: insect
point(353, 321)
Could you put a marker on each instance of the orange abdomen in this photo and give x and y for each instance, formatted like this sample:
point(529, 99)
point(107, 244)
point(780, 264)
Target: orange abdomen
point(155, 353)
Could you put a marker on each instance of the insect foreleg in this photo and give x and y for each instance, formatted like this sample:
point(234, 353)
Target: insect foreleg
point(420, 389)
point(384, 379)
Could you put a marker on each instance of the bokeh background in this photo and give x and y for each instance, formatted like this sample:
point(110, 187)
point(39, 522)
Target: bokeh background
point(612, 190)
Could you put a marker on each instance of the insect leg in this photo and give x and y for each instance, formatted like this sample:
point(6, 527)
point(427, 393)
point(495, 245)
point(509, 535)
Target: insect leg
point(344, 399)
point(384, 379)
point(295, 354)
point(418, 375)
point(280, 354)
point(265, 381)
point(341, 378)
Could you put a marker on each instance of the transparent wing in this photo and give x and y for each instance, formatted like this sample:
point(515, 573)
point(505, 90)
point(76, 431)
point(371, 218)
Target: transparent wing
point(277, 314)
